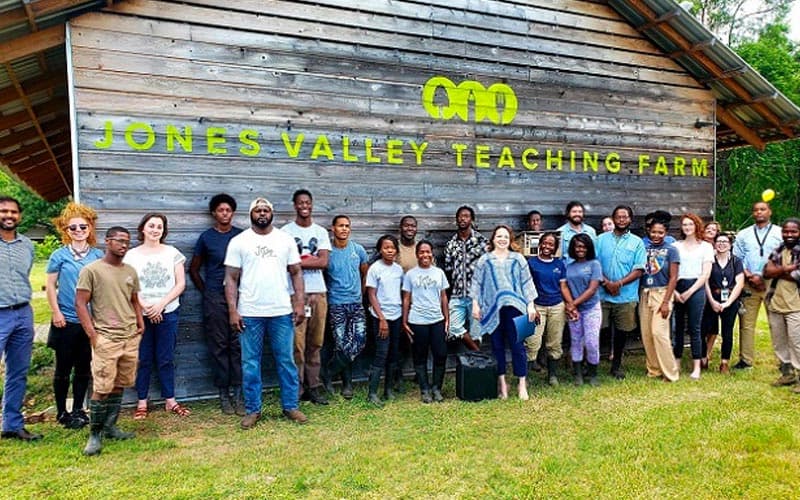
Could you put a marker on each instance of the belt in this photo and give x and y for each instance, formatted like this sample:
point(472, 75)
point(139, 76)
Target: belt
point(14, 307)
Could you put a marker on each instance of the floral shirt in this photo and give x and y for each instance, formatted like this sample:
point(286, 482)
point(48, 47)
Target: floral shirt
point(460, 259)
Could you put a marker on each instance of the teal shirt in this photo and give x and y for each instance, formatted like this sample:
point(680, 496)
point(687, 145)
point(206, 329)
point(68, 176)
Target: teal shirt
point(618, 256)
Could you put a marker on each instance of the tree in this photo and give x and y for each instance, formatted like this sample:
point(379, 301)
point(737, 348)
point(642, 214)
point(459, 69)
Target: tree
point(736, 20)
point(744, 173)
point(35, 210)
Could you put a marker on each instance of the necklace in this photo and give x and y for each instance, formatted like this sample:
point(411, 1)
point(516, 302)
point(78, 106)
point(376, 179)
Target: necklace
point(79, 254)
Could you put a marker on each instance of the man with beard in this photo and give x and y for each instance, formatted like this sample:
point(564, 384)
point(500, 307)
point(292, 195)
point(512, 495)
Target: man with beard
point(16, 318)
point(574, 225)
point(259, 302)
point(461, 254)
point(753, 245)
point(314, 248)
point(407, 258)
point(107, 304)
point(622, 256)
point(223, 343)
point(783, 302)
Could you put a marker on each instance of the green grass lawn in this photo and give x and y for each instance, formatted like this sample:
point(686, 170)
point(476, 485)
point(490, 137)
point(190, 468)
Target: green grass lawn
point(720, 437)
point(41, 310)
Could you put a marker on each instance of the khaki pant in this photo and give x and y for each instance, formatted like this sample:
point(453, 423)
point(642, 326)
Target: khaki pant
point(114, 363)
point(659, 358)
point(785, 331)
point(747, 325)
point(551, 329)
point(308, 338)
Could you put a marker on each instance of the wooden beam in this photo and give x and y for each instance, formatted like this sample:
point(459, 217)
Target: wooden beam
point(58, 106)
point(33, 43)
point(32, 85)
point(12, 17)
point(713, 68)
point(41, 7)
point(724, 116)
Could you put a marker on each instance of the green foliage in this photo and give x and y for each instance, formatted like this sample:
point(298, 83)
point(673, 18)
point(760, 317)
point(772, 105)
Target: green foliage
point(46, 247)
point(42, 358)
point(35, 209)
point(744, 173)
point(737, 20)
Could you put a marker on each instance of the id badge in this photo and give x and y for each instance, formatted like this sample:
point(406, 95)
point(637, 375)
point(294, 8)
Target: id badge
point(308, 311)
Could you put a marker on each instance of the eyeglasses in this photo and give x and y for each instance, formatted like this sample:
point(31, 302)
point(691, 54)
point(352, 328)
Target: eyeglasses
point(723, 242)
point(121, 241)
point(74, 227)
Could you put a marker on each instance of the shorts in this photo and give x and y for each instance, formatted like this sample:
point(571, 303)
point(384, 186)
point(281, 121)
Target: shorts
point(114, 363)
point(622, 315)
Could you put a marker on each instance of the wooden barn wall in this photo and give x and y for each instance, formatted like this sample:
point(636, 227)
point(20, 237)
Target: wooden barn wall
point(178, 101)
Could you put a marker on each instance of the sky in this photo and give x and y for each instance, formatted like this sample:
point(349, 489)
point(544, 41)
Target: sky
point(794, 22)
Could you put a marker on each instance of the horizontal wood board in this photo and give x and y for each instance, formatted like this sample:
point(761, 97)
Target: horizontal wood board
point(329, 96)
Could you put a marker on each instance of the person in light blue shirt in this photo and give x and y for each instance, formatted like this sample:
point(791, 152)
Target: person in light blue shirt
point(753, 245)
point(574, 213)
point(345, 275)
point(622, 256)
point(425, 319)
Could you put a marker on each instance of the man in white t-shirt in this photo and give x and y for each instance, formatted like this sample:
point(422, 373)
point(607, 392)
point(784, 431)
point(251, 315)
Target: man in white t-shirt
point(314, 248)
point(260, 301)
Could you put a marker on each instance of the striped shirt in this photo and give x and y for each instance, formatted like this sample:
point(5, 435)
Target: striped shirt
point(16, 260)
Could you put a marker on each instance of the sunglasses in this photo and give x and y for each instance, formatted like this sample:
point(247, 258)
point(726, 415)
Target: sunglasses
point(75, 227)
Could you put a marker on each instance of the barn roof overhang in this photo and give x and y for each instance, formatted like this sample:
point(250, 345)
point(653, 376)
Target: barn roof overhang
point(35, 135)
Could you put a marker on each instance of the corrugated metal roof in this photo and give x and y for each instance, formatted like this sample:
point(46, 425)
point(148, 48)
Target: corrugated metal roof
point(750, 110)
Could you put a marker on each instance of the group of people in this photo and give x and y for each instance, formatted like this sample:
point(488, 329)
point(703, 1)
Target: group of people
point(115, 313)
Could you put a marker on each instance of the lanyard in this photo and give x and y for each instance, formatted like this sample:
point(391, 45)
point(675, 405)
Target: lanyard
point(761, 241)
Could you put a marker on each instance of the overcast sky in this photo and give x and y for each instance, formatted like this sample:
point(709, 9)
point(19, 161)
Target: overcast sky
point(794, 22)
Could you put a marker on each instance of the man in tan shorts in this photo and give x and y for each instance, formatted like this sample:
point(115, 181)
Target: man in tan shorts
point(114, 326)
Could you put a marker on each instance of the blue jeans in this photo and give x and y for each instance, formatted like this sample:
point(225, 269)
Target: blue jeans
point(16, 343)
point(281, 341)
point(461, 313)
point(687, 318)
point(158, 342)
point(506, 333)
point(386, 350)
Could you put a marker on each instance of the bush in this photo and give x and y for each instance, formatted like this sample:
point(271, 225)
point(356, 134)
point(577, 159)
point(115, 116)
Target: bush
point(44, 249)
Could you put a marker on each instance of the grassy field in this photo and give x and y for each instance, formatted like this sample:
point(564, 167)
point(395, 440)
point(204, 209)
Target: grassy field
point(41, 311)
point(720, 437)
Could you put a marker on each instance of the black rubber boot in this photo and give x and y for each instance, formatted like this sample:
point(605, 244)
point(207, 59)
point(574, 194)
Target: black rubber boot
point(422, 379)
point(374, 381)
point(398, 384)
point(577, 371)
point(619, 347)
point(593, 381)
point(388, 382)
point(552, 366)
point(98, 418)
point(335, 366)
point(438, 382)
point(110, 430)
point(347, 381)
point(225, 402)
point(237, 398)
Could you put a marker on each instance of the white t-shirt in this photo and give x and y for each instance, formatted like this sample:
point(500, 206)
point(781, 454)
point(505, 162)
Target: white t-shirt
point(692, 259)
point(310, 240)
point(386, 280)
point(264, 281)
point(426, 287)
point(156, 273)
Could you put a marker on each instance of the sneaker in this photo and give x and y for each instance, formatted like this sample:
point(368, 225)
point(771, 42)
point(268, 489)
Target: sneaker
point(79, 419)
point(249, 420)
point(295, 416)
point(316, 396)
point(741, 365)
point(64, 418)
point(618, 373)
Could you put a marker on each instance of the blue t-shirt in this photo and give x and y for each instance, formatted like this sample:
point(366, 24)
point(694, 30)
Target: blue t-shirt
point(343, 275)
point(656, 270)
point(579, 276)
point(425, 286)
point(211, 246)
point(547, 277)
point(63, 263)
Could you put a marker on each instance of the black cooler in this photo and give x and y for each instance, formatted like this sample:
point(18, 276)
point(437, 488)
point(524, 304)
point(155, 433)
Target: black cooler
point(476, 376)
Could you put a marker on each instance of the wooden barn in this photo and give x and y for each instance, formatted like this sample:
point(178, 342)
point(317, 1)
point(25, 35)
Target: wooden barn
point(380, 108)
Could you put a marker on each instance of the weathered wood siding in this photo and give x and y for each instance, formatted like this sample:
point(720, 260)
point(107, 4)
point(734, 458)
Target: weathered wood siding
point(247, 79)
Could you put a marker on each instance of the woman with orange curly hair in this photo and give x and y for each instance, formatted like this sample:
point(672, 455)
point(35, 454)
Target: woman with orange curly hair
point(76, 225)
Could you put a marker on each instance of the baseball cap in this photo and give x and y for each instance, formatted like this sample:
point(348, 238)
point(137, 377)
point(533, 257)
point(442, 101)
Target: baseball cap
point(259, 201)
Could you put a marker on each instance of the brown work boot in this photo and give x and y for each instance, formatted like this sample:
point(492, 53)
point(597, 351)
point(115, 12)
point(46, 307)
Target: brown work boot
point(249, 420)
point(788, 376)
point(296, 416)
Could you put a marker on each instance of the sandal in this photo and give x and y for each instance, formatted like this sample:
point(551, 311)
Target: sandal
point(140, 413)
point(179, 410)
